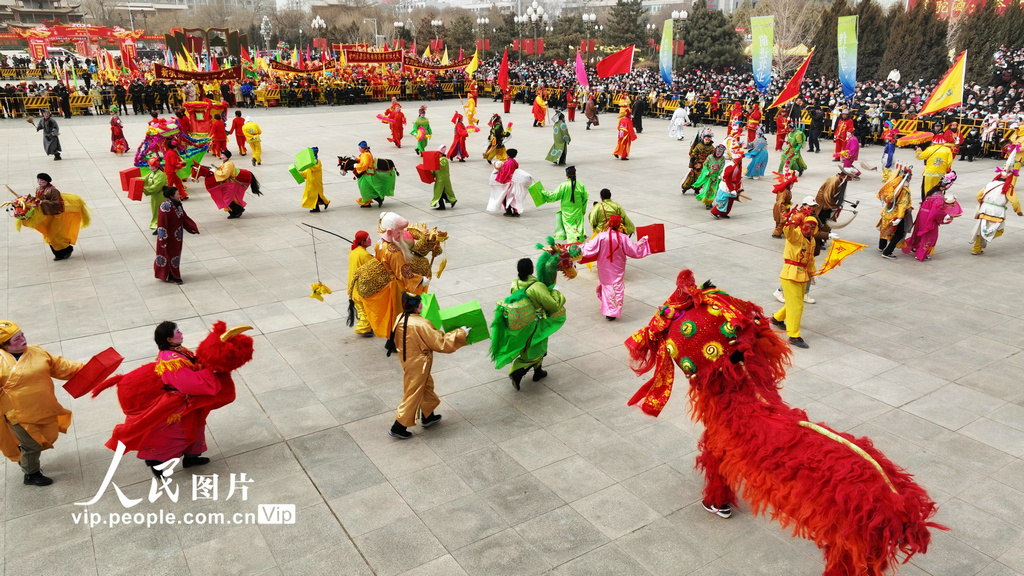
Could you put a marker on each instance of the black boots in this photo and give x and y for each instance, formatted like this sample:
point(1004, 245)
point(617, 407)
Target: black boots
point(63, 254)
point(235, 211)
point(429, 421)
point(517, 375)
point(37, 479)
point(399, 431)
point(191, 460)
point(539, 374)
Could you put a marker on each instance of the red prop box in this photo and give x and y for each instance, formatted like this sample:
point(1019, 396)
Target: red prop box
point(95, 371)
point(655, 234)
point(135, 189)
point(432, 160)
point(426, 176)
point(127, 175)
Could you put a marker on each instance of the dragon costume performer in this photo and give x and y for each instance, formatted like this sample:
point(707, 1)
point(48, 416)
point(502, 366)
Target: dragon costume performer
point(838, 490)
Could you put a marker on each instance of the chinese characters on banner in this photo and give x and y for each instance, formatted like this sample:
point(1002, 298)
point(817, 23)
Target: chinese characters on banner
point(763, 29)
point(161, 72)
point(846, 37)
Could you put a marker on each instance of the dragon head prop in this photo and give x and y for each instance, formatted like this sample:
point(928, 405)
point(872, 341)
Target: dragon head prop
point(427, 241)
point(225, 350)
point(719, 341)
point(554, 258)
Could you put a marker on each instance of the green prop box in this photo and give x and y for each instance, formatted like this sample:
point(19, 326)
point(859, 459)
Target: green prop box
point(431, 311)
point(469, 314)
point(305, 159)
point(296, 174)
point(537, 193)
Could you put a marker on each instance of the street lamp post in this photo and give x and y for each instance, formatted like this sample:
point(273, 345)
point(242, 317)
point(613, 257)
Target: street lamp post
point(266, 30)
point(436, 25)
point(375, 37)
point(480, 24)
point(679, 17)
point(319, 26)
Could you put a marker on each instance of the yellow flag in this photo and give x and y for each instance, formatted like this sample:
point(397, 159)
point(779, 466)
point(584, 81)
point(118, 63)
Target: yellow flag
point(950, 91)
point(191, 61)
point(444, 59)
point(840, 249)
point(473, 64)
point(426, 53)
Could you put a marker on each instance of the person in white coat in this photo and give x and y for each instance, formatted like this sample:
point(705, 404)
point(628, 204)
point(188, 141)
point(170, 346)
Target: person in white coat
point(680, 119)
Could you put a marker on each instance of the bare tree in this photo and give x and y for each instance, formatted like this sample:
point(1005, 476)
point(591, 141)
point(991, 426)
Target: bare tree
point(795, 23)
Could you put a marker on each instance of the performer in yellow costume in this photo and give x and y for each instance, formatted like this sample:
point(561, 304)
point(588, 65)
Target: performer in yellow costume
point(364, 163)
point(938, 161)
point(57, 216)
point(540, 109)
point(32, 417)
point(252, 133)
point(356, 258)
point(379, 284)
point(313, 194)
point(797, 271)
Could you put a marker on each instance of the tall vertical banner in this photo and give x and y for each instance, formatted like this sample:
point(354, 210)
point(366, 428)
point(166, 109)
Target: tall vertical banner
point(666, 58)
point(763, 32)
point(846, 37)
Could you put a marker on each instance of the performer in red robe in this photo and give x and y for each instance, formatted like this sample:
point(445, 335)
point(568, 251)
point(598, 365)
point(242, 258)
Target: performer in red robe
point(118, 143)
point(571, 103)
point(506, 99)
point(218, 136)
point(182, 380)
point(844, 127)
point(782, 129)
point(753, 121)
point(236, 129)
point(171, 224)
point(735, 126)
point(166, 402)
point(173, 163)
point(395, 119)
point(458, 147)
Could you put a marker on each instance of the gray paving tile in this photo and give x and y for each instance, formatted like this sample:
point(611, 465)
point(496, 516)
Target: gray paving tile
point(418, 547)
point(462, 522)
point(521, 498)
point(615, 511)
point(430, 487)
point(561, 535)
point(505, 553)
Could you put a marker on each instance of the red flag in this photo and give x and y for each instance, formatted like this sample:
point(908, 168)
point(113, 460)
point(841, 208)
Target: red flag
point(792, 89)
point(540, 45)
point(460, 52)
point(308, 59)
point(503, 72)
point(528, 46)
point(515, 44)
point(620, 62)
point(479, 44)
point(487, 44)
point(680, 47)
point(245, 54)
point(213, 62)
point(593, 45)
point(413, 50)
point(583, 45)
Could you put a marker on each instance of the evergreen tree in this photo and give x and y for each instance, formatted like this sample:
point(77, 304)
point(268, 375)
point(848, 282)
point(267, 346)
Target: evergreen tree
point(916, 43)
point(565, 38)
point(977, 37)
point(741, 17)
point(626, 24)
point(1011, 26)
point(826, 53)
point(460, 35)
point(872, 32)
point(711, 39)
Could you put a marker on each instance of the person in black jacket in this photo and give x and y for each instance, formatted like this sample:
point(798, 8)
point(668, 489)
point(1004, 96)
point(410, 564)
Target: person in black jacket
point(817, 125)
point(639, 108)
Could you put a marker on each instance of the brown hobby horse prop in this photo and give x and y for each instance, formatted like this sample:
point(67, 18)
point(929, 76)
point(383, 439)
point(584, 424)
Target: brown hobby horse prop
point(862, 510)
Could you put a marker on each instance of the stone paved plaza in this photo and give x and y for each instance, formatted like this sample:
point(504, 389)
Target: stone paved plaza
point(560, 478)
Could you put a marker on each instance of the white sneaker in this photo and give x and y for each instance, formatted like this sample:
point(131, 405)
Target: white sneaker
point(778, 295)
point(808, 299)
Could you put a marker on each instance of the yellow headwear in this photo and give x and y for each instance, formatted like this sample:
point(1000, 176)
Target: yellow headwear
point(7, 330)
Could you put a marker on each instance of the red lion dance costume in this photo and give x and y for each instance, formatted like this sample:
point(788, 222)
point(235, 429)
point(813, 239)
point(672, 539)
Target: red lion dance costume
point(830, 487)
point(147, 406)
